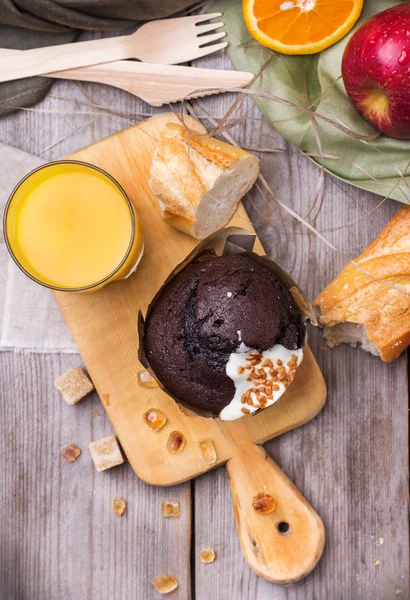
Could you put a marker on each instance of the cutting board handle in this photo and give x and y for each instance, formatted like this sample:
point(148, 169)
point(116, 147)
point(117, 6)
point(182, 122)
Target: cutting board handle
point(286, 544)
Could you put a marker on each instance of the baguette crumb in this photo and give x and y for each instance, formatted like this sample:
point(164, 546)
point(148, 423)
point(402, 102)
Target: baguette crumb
point(164, 584)
point(118, 506)
point(106, 453)
point(207, 555)
point(74, 385)
point(71, 452)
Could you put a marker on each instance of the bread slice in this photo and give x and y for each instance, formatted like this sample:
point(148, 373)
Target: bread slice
point(368, 303)
point(199, 180)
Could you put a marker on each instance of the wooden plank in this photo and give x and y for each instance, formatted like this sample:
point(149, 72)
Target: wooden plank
point(103, 326)
point(351, 461)
point(361, 434)
point(59, 537)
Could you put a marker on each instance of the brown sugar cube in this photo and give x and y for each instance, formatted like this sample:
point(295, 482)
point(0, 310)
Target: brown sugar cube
point(154, 419)
point(106, 453)
point(164, 584)
point(71, 452)
point(74, 385)
point(263, 504)
point(145, 379)
point(176, 442)
point(170, 508)
point(207, 555)
point(207, 450)
point(118, 506)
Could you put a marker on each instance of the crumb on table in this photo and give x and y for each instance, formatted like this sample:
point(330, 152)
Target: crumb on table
point(207, 555)
point(71, 452)
point(170, 509)
point(118, 505)
point(164, 584)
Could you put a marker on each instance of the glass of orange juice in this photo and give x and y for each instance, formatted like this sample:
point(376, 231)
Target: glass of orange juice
point(71, 227)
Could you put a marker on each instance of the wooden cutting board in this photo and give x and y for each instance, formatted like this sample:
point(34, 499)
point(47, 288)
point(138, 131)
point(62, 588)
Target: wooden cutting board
point(104, 327)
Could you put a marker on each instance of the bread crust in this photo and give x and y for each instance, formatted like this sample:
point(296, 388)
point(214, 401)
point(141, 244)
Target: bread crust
point(369, 292)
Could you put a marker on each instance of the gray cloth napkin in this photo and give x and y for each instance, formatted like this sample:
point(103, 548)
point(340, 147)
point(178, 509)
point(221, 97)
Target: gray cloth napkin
point(30, 319)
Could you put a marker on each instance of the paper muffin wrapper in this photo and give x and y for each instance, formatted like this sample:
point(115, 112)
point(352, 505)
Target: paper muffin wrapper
point(225, 242)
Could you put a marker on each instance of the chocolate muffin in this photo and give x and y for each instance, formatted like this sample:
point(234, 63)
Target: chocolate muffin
point(211, 310)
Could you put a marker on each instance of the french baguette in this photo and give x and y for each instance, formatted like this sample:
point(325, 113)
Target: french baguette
point(199, 180)
point(368, 303)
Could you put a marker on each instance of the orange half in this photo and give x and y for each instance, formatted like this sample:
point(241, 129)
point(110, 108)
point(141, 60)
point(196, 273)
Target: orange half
point(300, 26)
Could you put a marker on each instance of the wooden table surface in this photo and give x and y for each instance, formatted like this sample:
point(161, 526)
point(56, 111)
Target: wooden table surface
point(59, 539)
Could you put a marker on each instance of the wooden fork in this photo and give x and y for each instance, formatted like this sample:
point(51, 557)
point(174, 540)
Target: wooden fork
point(167, 41)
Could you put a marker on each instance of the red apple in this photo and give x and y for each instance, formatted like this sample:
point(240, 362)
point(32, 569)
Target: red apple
point(376, 71)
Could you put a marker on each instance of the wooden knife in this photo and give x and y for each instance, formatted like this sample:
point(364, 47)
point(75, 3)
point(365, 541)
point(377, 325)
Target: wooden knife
point(158, 84)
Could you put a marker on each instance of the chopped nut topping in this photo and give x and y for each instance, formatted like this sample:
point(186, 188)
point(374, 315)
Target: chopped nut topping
point(74, 385)
point(118, 506)
point(268, 379)
point(207, 555)
point(176, 442)
point(207, 450)
point(263, 504)
point(164, 584)
point(154, 419)
point(145, 379)
point(71, 452)
point(377, 563)
point(170, 508)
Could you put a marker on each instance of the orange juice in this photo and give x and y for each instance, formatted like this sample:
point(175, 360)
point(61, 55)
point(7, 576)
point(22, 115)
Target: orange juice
point(70, 226)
